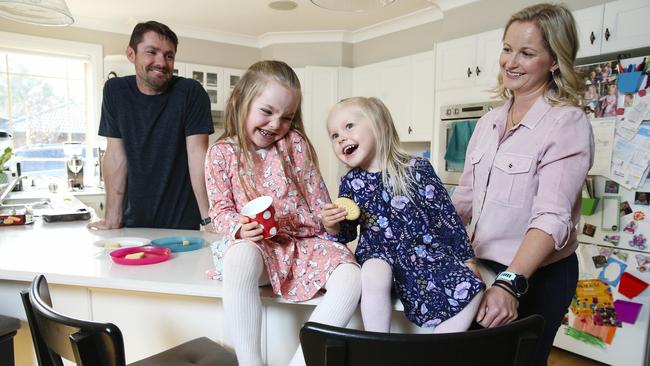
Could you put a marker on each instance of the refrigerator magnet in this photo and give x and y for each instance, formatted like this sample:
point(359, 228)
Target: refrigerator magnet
point(613, 239)
point(631, 286)
point(611, 274)
point(638, 242)
point(642, 262)
point(627, 311)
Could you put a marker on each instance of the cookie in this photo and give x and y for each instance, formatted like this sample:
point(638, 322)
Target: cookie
point(350, 206)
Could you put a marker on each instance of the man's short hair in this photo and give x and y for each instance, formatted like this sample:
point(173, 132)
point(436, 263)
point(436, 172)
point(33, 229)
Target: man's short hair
point(151, 26)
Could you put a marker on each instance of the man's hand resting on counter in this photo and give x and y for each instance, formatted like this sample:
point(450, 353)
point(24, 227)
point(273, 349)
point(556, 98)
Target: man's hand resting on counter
point(104, 224)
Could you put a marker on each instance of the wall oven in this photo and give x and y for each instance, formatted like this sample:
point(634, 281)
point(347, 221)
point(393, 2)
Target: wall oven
point(468, 115)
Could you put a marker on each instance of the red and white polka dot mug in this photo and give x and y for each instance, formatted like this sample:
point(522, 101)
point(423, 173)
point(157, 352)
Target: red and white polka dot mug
point(261, 210)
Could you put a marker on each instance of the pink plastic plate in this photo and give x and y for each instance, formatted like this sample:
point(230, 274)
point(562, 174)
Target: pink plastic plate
point(152, 255)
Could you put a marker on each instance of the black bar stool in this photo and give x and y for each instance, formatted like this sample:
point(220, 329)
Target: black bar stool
point(8, 328)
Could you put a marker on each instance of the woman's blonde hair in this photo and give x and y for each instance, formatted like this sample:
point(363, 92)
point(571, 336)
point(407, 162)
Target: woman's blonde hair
point(393, 160)
point(251, 85)
point(560, 38)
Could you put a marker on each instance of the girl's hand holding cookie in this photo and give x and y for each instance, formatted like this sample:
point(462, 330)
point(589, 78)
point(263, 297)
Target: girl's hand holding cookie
point(250, 230)
point(332, 215)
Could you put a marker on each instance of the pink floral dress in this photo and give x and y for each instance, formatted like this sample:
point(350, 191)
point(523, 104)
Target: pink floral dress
point(299, 259)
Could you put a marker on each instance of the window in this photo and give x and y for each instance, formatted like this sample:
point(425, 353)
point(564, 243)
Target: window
point(49, 101)
point(43, 105)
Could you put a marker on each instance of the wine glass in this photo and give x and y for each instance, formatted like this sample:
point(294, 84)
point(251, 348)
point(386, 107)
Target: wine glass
point(75, 164)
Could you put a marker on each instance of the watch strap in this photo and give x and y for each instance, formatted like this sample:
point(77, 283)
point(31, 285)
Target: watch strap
point(206, 221)
point(506, 289)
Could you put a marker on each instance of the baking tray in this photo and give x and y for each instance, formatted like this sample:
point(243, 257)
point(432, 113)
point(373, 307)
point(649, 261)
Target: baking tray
point(82, 214)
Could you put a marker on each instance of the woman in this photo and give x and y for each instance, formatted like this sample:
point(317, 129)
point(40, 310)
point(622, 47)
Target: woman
point(526, 163)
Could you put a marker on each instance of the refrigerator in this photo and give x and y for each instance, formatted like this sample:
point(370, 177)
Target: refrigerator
point(608, 319)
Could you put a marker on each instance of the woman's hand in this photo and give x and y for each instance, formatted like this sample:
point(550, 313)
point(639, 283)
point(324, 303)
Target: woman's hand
point(332, 215)
point(250, 230)
point(498, 307)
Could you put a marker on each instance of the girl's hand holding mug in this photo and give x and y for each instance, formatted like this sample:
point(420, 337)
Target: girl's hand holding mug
point(250, 230)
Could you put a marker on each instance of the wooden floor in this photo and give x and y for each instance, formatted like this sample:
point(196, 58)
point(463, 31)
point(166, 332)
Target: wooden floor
point(560, 357)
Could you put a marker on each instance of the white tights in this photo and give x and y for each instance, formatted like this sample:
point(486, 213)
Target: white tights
point(243, 273)
point(376, 305)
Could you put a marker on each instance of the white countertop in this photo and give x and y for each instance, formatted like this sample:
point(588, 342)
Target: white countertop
point(65, 254)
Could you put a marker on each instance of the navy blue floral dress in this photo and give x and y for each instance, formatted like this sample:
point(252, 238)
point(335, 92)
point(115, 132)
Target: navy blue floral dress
point(423, 241)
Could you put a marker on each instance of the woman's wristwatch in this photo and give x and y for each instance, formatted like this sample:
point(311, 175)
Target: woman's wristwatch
point(206, 221)
point(517, 283)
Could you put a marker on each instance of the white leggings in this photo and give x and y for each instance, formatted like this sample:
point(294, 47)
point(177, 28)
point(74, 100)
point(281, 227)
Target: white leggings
point(244, 272)
point(376, 305)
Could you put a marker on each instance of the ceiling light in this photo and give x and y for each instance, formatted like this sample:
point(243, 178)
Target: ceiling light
point(283, 5)
point(39, 12)
point(352, 5)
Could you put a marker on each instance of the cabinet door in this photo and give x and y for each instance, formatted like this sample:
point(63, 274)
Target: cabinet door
point(179, 69)
point(421, 126)
point(321, 93)
point(119, 65)
point(365, 81)
point(455, 63)
point(396, 91)
point(230, 78)
point(626, 22)
point(589, 22)
point(489, 45)
point(211, 77)
point(94, 201)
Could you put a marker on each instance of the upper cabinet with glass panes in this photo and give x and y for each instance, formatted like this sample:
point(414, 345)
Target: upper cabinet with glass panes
point(211, 77)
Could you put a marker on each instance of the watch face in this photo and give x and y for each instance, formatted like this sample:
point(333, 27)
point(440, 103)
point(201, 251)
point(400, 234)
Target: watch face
point(521, 284)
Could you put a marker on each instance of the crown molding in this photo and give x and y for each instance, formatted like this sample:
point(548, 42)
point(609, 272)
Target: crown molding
point(424, 16)
point(269, 39)
point(427, 15)
point(445, 5)
point(126, 27)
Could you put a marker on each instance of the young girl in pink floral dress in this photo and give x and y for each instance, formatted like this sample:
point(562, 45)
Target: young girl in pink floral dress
point(264, 151)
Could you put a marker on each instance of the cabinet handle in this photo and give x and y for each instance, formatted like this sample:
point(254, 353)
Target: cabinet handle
point(469, 72)
point(592, 38)
point(478, 71)
point(410, 130)
point(607, 34)
point(101, 206)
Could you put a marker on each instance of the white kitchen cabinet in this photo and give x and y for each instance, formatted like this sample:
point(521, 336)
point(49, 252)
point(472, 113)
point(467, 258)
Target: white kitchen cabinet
point(212, 79)
point(406, 86)
point(612, 27)
point(420, 126)
point(469, 62)
point(117, 65)
point(322, 88)
point(94, 201)
point(230, 78)
point(589, 22)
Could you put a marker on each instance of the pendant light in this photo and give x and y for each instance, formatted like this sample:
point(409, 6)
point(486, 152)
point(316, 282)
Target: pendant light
point(352, 5)
point(38, 12)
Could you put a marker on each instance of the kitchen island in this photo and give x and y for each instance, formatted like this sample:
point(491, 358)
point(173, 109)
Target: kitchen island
point(156, 306)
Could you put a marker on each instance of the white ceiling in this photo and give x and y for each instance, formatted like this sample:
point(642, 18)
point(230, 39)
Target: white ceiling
point(249, 21)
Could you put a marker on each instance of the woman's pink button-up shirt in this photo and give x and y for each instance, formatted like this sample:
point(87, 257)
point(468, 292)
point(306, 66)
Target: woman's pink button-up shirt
point(530, 178)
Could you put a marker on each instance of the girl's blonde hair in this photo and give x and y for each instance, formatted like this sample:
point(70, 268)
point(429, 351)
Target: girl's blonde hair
point(251, 85)
point(560, 38)
point(393, 160)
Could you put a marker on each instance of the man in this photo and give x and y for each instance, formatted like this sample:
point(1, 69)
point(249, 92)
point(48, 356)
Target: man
point(157, 128)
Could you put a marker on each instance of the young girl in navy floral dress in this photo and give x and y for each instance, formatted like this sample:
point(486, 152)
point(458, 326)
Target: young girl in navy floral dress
point(411, 237)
